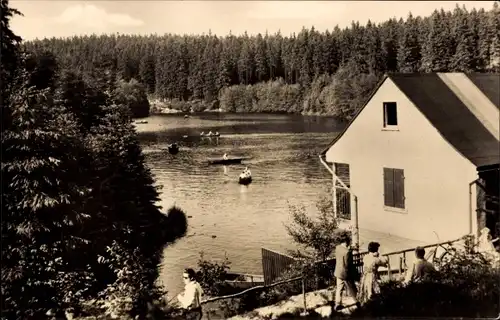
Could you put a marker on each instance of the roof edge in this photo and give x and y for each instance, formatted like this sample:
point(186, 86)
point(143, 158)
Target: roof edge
point(323, 153)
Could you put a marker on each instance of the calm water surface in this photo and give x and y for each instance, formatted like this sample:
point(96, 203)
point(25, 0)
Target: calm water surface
point(225, 217)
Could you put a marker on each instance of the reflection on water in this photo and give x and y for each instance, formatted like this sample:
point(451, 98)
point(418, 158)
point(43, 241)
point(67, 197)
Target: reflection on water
point(283, 157)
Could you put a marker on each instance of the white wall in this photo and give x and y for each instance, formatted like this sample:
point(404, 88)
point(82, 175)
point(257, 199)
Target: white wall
point(436, 176)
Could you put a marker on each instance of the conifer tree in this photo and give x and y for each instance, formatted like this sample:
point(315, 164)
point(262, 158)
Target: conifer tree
point(464, 59)
point(436, 49)
point(494, 26)
point(147, 72)
point(261, 68)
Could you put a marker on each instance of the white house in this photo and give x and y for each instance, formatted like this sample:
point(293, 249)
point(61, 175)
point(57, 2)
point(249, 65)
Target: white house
point(421, 158)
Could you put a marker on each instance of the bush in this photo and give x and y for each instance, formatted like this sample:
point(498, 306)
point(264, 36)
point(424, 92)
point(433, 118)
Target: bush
point(317, 236)
point(133, 95)
point(272, 96)
point(465, 286)
point(212, 275)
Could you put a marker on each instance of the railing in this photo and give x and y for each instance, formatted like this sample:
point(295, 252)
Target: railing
point(358, 258)
point(402, 265)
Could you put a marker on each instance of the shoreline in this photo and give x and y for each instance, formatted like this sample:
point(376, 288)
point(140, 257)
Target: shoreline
point(161, 111)
point(158, 107)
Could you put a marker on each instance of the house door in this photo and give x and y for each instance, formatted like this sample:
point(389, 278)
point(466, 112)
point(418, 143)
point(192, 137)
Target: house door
point(343, 196)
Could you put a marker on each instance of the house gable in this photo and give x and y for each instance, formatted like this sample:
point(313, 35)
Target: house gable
point(462, 109)
point(436, 176)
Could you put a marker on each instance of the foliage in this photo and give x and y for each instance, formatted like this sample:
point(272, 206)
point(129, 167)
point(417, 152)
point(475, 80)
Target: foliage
point(43, 69)
point(81, 230)
point(465, 286)
point(275, 96)
point(287, 73)
point(183, 106)
point(211, 275)
point(9, 44)
point(317, 236)
point(133, 95)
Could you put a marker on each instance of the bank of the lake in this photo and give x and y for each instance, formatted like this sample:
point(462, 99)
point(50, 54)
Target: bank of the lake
point(226, 217)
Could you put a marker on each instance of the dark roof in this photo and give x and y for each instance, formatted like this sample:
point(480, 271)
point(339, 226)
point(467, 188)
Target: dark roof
point(448, 114)
point(489, 84)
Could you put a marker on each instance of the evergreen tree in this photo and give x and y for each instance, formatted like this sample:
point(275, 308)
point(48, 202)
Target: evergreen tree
point(9, 58)
point(494, 26)
point(389, 34)
point(246, 63)
point(436, 50)
point(464, 59)
point(147, 73)
point(483, 40)
point(42, 189)
point(261, 68)
point(226, 67)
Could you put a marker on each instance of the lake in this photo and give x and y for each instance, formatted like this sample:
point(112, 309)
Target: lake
point(225, 217)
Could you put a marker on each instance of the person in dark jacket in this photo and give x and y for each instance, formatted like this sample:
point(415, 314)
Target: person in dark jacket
point(345, 273)
point(420, 268)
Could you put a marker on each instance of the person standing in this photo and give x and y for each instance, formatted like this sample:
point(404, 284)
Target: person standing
point(370, 278)
point(486, 246)
point(344, 271)
point(420, 268)
point(190, 299)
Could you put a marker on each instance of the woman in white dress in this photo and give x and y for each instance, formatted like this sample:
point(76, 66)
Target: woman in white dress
point(370, 278)
point(486, 247)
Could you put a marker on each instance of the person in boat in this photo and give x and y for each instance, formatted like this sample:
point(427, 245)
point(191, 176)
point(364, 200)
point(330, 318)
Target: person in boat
point(202, 133)
point(224, 157)
point(190, 299)
point(247, 173)
point(210, 133)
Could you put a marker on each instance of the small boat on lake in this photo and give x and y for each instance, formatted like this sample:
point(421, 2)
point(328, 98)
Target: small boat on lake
point(141, 122)
point(243, 281)
point(173, 148)
point(226, 161)
point(245, 177)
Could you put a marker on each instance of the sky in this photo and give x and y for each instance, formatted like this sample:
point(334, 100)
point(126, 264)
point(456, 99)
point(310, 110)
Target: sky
point(59, 18)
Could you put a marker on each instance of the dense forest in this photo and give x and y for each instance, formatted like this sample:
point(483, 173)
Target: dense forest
point(311, 72)
point(81, 231)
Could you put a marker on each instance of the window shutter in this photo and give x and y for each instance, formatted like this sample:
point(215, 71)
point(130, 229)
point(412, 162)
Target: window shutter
point(399, 189)
point(388, 187)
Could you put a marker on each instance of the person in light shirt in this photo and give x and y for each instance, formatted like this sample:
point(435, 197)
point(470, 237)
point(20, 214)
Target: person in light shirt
point(190, 299)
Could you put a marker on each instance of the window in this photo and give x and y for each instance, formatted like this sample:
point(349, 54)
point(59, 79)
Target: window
point(343, 197)
point(394, 188)
point(390, 114)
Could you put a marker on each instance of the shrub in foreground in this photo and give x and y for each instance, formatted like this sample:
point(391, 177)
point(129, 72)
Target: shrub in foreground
point(466, 286)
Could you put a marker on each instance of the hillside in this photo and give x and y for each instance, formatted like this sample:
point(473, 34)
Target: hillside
point(311, 72)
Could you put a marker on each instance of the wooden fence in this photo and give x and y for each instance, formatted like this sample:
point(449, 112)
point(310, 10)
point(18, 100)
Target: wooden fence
point(274, 264)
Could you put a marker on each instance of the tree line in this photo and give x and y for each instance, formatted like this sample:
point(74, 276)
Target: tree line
point(81, 231)
point(214, 71)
